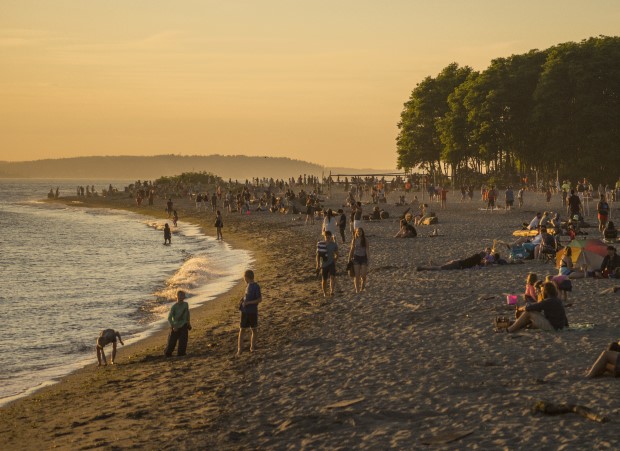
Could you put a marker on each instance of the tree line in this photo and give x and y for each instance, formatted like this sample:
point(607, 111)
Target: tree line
point(550, 111)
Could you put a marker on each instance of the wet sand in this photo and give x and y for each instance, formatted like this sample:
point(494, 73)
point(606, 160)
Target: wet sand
point(410, 363)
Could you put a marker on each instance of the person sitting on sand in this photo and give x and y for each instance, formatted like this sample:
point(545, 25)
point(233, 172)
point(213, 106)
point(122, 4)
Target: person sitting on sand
point(466, 263)
point(547, 244)
point(547, 314)
point(534, 223)
point(407, 230)
point(608, 361)
point(106, 337)
point(611, 264)
point(564, 285)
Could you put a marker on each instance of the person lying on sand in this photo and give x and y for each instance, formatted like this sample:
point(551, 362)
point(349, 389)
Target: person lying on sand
point(106, 337)
point(466, 263)
point(608, 361)
point(548, 314)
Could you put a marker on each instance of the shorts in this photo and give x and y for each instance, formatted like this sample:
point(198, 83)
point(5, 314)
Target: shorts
point(360, 260)
point(602, 218)
point(491, 202)
point(327, 271)
point(509, 202)
point(248, 320)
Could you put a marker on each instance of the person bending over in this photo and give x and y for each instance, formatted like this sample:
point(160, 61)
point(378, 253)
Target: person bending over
point(548, 314)
point(106, 337)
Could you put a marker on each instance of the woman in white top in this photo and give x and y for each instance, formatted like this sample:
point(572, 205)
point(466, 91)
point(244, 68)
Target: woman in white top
point(330, 224)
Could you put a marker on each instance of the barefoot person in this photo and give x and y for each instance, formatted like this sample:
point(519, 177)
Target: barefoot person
point(608, 361)
point(326, 255)
point(106, 337)
point(179, 326)
point(547, 314)
point(360, 255)
point(167, 234)
point(249, 311)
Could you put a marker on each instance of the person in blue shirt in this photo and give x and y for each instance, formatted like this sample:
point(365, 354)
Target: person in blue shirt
point(249, 311)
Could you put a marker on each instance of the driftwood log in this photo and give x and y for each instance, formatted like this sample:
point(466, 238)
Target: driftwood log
point(557, 409)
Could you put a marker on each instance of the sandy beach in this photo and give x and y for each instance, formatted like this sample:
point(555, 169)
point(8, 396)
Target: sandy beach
point(411, 363)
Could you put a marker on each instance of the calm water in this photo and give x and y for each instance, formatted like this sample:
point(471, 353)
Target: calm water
point(68, 272)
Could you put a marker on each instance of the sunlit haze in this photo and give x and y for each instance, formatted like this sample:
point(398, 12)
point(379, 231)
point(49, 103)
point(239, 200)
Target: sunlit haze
point(322, 81)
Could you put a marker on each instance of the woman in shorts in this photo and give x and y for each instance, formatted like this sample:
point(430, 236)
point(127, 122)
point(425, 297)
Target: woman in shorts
point(360, 256)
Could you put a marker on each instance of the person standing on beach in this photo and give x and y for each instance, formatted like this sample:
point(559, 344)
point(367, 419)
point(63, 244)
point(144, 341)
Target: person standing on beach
point(326, 256)
point(342, 224)
point(106, 337)
point(360, 255)
point(357, 215)
point(602, 209)
point(249, 311)
point(509, 198)
point(169, 207)
point(444, 196)
point(520, 196)
point(178, 318)
point(219, 223)
point(167, 234)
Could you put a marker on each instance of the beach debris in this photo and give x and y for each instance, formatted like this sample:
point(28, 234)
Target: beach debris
point(549, 408)
point(447, 436)
point(345, 403)
point(610, 290)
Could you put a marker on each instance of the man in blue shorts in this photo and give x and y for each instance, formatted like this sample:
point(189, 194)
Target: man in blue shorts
point(249, 311)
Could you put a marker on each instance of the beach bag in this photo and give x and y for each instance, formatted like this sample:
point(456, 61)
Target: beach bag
point(519, 253)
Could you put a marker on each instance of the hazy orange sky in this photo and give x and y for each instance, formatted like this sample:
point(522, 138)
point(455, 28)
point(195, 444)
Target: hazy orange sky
point(322, 81)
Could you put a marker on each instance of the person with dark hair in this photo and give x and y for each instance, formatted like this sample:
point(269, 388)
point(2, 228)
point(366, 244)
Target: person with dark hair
point(608, 361)
point(326, 255)
point(178, 318)
point(360, 256)
point(167, 234)
point(574, 204)
point(106, 337)
point(611, 263)
point(219, 223)
point(602, 208)
point(548, 314)
point(249, 311)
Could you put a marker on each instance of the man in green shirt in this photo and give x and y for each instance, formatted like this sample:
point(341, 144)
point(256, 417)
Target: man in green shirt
point(179, 325)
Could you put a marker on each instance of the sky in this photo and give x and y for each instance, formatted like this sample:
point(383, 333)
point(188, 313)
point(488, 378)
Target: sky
point(321, 81)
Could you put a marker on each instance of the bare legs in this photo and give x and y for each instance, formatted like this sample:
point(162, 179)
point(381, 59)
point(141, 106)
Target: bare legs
point(605, 362)
point(359, 281)
point(253, 339)
point(536, 319)
point(101, 356)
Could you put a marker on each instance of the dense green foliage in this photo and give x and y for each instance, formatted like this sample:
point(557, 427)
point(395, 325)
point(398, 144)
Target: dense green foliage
point(544, 111)
point(190, 178)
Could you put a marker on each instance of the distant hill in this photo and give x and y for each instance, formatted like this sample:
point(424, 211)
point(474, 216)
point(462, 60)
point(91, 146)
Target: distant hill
point(237, 167)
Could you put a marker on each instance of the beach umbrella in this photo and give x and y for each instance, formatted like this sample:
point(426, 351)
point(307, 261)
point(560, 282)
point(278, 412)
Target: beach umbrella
point(589, 253)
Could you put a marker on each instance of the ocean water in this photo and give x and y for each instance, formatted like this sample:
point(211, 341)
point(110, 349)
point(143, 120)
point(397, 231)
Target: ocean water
point(69, 272)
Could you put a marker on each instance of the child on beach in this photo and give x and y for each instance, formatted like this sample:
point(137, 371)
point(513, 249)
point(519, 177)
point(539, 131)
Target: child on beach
point(530, 292)
point(218, 225)
point(249, 311)
point(106, 337)
point(175, 218)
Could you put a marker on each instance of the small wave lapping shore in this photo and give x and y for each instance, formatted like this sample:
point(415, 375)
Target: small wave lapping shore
point(411, 361)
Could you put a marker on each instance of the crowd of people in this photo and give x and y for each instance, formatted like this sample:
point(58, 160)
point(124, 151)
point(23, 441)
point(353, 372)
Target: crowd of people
point(544, 302)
